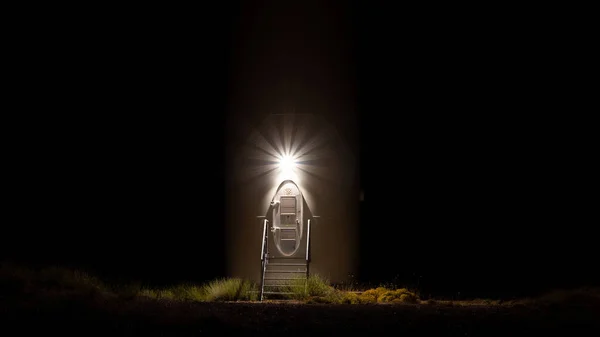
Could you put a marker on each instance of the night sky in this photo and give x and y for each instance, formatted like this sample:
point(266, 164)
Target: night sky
point(477, 171)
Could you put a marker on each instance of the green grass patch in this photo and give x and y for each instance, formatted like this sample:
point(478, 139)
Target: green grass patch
point(230, 289)
point(315, 286)
point(220, 290)
point(385, 295)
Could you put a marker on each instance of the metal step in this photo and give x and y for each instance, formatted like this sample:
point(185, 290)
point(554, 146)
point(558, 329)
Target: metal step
point(286, 264)
point(280, 259)
point(283, 285)
point(278, 275)
point(284, 282)
point(282, 274)
point(286, 279)
point(284, 269)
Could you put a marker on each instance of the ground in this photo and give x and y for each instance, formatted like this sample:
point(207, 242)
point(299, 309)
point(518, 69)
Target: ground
point(104, 315)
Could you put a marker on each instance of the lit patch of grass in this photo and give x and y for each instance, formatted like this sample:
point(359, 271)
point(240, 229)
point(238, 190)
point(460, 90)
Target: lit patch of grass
point(384, 295)
point(318, 286)
point(315, 286)
point(248, 291)
point(349, 297)
point(297, 289)
point(318, 290)
point(188, 292)
point(230, 289)
point(225, 289)
point(401, 295)
point(371, 295)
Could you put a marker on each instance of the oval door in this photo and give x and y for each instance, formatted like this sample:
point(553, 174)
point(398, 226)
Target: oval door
point(287, 219)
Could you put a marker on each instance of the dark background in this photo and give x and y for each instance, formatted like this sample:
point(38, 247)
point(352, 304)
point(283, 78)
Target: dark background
point(476, 157)
point(475, 162)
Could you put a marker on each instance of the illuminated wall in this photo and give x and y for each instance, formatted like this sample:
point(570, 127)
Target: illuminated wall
point(293, 91)
point(325, 171)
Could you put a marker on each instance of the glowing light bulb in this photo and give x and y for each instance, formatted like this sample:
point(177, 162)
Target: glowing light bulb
point(287, 163)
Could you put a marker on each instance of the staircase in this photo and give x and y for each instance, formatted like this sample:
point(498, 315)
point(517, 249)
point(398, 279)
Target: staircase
point(283, 274)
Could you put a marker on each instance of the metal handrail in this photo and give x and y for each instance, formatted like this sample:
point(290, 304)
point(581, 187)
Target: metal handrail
point(264, 261)
point(262, 249)
point(307, 240)
point(307, 256)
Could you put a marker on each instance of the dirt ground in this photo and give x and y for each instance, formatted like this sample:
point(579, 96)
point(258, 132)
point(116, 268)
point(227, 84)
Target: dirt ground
point(102, 316)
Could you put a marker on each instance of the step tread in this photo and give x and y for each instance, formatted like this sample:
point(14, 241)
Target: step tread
point(287, 264)
point(284, 279)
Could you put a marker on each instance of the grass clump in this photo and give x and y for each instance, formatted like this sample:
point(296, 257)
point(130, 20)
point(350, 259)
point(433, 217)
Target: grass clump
point(318, 290)
point(220, 290)
point(314, 289)
point(401, 295)
point(230, 289)
point(385, 295)
point(349, 297)
point(317, 285)
point(187, 292)
point(372, 295)
point(248, 291)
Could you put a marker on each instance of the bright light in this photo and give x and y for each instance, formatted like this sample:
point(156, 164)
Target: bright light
point(287, 163)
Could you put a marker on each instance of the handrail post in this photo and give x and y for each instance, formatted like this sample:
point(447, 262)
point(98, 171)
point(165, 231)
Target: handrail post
point(307, 240)
point(308, 257)
point(262, 248)
point(307, 254)
point(264, 251)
